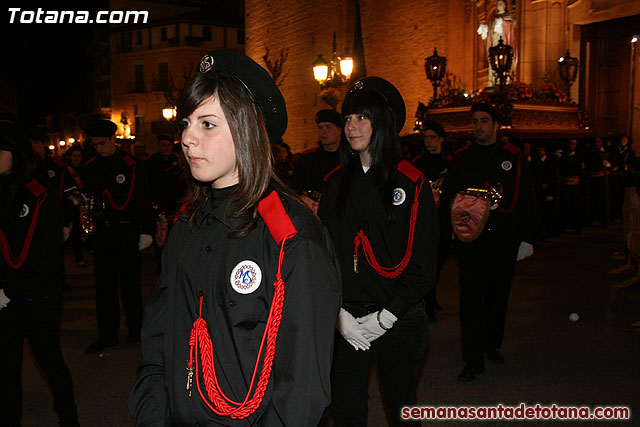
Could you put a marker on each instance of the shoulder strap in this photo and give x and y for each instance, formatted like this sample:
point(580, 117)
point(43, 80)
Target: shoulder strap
point(327, 176)
point(412, 172)
point(511, 148)
point(276, 218)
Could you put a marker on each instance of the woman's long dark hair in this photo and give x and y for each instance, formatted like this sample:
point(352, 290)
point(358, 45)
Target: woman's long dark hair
point(254, 160)
point(384, 147)
point(15, 140)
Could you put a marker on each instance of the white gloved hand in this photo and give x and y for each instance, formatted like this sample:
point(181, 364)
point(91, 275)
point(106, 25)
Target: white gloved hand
point(4, 299)
point(348, 327)
point(144, 242)
point(524, 251)
point(374, 325)
point(66, 231)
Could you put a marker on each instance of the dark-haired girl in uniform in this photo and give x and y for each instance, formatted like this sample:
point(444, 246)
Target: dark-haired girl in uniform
point(30, 280)
point(382, 219)
point(239, 329)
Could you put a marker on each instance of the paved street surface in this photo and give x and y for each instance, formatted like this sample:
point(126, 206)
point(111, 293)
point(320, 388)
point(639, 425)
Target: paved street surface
point(549, 359)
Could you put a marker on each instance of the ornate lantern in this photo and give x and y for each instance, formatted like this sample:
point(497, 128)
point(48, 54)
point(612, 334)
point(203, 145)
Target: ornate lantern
point(568, 67)
point(434, 67)
point(501, 56)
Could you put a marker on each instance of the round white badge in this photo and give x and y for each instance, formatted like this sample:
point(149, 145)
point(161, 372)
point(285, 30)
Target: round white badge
point(120, 178)
point(51, 173)
point(399, 196)
point(246, 277)
point(507, 165)
point(25, 211)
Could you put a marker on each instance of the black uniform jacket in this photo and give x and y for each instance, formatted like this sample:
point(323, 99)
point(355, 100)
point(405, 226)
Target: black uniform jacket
point(39, 276)
point(496, 165)
point(203, 260)
point(431, 165)
point(313, 166)
point(164, 181)
point(364, 210)
point(119, 184)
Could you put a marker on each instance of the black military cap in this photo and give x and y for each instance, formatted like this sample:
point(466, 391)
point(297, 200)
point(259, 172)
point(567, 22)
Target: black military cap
point(388, 92)
point(257, 81)
point(487, 108)
point(329, 116)
point(13, 138)
point(101, 128)
point(434, 126)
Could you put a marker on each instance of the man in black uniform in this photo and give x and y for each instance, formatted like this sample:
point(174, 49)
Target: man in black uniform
point(490, 234)
point(123, 229)
point(433, 163)
point(595, 163)
point(572, 206)
point(317, 162)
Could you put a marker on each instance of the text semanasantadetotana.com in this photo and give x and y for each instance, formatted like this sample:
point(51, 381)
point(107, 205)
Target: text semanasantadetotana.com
point(40, 16)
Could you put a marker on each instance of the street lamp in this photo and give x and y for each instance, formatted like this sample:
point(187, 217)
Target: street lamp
point(501, 57)
point(568, 67)
point(169, 115)
point(434, 67)
point(337, 72)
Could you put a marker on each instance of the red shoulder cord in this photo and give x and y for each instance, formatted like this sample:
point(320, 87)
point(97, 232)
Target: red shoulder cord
point(200, 340)
point(388, 272)
point(516, 191)
point(16, 261)
point(107, 194)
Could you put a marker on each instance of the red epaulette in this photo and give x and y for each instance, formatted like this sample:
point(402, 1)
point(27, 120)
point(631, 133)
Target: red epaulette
point(417, 157)
point(327, 176)
point(276, 218)
point(460, 150)
point(511, 148)
point(90, 160)
point(309, 151)
point(412, 172)
point(35, 188)
point(128, 159)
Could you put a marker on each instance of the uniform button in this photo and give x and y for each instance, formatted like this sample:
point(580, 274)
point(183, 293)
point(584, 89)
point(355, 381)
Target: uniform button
point(232, 303)
point(208, 249)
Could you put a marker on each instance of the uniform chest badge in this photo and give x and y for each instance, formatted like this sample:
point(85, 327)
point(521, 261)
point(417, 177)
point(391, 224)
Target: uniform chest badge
point(399, 196)
point(51, 173)
point(120, 178)
point(246, 277)
point(25, 211)
point(507, 165)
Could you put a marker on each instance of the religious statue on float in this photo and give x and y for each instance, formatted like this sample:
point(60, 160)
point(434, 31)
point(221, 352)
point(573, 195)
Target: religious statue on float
point(500, 24)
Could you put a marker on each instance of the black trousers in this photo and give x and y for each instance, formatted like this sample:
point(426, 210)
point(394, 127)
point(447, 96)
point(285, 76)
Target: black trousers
point(76, 236)
point(37, 321)
point(486, 268)
point(598, 199)
point(117, 265)
point(572, 206)
point(399, 353)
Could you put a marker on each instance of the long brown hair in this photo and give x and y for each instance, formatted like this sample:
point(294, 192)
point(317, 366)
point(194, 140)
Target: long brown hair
point(254, 160)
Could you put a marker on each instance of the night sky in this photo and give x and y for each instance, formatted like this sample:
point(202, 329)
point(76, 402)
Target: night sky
point(45, 63)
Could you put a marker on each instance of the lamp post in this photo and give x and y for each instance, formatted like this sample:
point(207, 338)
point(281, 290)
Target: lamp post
point(568, 68)
point(335, 73)
point(501, 56)
point(169, 115)
point(434, 67)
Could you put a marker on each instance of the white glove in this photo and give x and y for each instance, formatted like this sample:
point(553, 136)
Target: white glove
point(374, 325)
point(66, 231)
point(348, 327)
point(524, 251)
point(144, 242)
point(4, 299)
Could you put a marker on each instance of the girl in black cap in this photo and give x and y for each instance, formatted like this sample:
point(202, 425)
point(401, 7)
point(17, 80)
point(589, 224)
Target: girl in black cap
point(30, 280)
point(381, 216)
point(239, 329)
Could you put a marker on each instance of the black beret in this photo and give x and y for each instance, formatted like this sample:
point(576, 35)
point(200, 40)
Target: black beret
point(258, 82)
point(101, 128)
point(329, 116)
point(388, 92)
point(487, 108)
point(434, 126)
point(13, 138)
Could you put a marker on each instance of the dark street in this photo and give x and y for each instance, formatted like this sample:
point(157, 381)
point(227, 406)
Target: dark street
point(549, 359)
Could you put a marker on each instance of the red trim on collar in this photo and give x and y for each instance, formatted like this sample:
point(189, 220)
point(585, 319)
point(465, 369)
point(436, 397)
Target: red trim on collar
point(327, 176)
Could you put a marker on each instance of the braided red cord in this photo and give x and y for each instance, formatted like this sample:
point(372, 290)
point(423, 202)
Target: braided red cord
point(16, 261)
point(200, 339)
point(109, 197)
point(390, 272)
